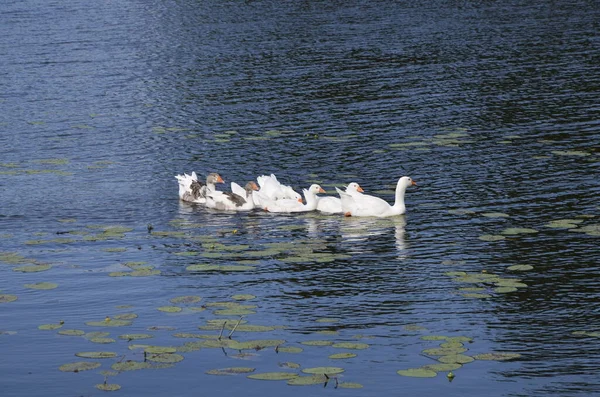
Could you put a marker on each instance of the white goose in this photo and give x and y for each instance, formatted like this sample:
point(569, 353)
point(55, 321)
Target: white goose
point(333, 205)
point(366, 205)
point(239, 199)
point(271, 189)
point(194, 191)
point(292, 205)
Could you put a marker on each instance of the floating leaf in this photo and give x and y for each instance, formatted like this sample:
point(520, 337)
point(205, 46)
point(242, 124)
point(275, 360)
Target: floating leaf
point(443, 367)
point(71, 332)
point(288, 364)
point(327, 320)
point(41, 286)
point(519, 268)
point(518, 230)
point(131, 365)
point(79, 366)
point(185, 299)
point(307, 380)
point(135, 336)
point(491, 237)
point(317, 342)
point(459, 339)
point(109, 323)
point(125, 316)
point(116, 249)
point(563, 223)
point(327, 332)
point(434, 337)
point(108, 386)
point(456, 358)
point(96, 354)
point(5, 298)
point(476, 295)
point(577, 153)
point(495, 215)
point(273, 376)
point(414, 327)
point(418, 373)
point(497, 356)
point(32, 268)
point(46, 326)
point(102, 340)
point(164, 357)
point(441, 351)
point(243, 297)
point(505, 290)
point(255, 344)
point(289, 349)
point(238, 311)
point(351, 345)
point(350, 385)
point(170, 309)
point(323, 370)
point(159, 349)
point(339, 356)
point(230, 371)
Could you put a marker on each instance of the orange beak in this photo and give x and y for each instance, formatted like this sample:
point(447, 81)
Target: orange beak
point(254, 187)
point(360, 189)
point(300, 201)
point(321, 190)
point(413, 183)
point(220, 180)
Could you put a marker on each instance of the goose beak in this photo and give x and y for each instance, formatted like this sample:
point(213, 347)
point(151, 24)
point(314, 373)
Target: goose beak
point(321, 190)
point(254, 187)
point(300, 201)
point(220, 180)
point(413, 183)
point(360, 189)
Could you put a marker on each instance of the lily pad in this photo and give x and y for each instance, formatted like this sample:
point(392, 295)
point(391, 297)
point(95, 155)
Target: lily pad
point(79, 366)
point(273, 376)
point(323, 370)
point(255, 344)
point(497, 356)
point(71, 332)
point(109, 323)
point(491, 237)
point(441, 351)
point(96, 354)
point(456, 358)
point(159, 349)
point(46, 326)
point(505, 290)
point(238, 311)
point(125, 316)
point(41, 286)
point(495, 215)
point(563, 223)
point(108, 386)
point(32, 268)
point(351, 345)
point(188, 299)
point(289, 364)
point(290, 349)
point(5, 298)
point(434, 337)
point(307, 380)
point(170, 309)
point(476, 295)
point(230, 371)
point(518, 230)
point(102, 340)
point(339, 356)
point(131, 365)
point(243, 297)
point(418, 372)
point(443, 367)
point(414, 327)
point(350, 385)
point(135, 336)
point(519, 268)
point(164, 357)
point(317, 342)
point(327, 320)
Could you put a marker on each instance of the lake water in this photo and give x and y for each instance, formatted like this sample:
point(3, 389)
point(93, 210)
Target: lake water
point(492, 107)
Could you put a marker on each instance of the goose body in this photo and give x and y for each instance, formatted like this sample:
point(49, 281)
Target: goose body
point(232, 201)
point(333, 205)
point(271, 189)
point(366, 205)
point(194, 191)
point(294, 205)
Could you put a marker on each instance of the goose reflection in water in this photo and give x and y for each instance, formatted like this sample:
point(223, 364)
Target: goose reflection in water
point(359, 230)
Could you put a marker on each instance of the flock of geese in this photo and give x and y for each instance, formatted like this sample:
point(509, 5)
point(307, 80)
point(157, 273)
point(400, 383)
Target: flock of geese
point(272, 196)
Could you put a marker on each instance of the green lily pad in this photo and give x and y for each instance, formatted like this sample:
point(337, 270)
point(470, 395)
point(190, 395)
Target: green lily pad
point(327, 320)
point(444, 351)
point(230, 371)
point(456, 358)
point(495, 215)
point(418, 372)
point(563, 223)
point(41, 286)
point(243, 297)
point(307, 380)
point(323, 370)
point(273, 376)
point(505, 290)
point(459, 339)
point(96, 354)
point(518, 230)
point(96, 334)
point(125, 316)
point(443, 367)
point(471, 289)
point(290, 349)
point(434, 337)
point(170, 309)
point(109, 323)
point(317, 342)
point(289, 364)
point(497, 356)
point(577, 153)
point(159, 349)
point(339, 356)
point(144, 272)
point(201, 268)
point(71, 332)
point(414, 327)
point(32, 268)
point(135, 336)
point(255, 344)
point(188, 299)
point(12, 258)
point(115, 249)
point(47, 326)
point(131, 365)
point(249, 327)
point(519, 268)
point(102, 340)
point(491, 237)
point(164, 357)
point(6, 298)
point(327, 332)
point(79, 366)
point(108, 386)
point(351, 345)
point(506, 282)
point(476, 295)
point(238, 311)
point(350, 385)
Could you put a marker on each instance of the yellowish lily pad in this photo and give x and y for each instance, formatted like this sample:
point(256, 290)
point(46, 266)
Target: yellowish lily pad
point(273, 376)
point(79, 366)
point(417, 373)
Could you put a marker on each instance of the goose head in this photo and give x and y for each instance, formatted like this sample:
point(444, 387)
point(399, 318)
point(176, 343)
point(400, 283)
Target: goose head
point(213, 178)
point(354, 187)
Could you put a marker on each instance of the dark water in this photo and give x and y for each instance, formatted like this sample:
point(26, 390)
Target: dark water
point(490, 106)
